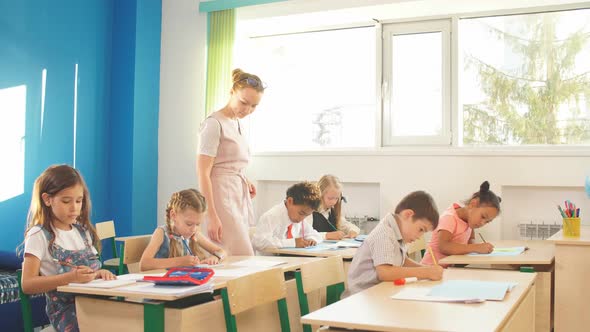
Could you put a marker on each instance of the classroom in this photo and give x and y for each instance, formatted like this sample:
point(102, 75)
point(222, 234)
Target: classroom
point(294, 165)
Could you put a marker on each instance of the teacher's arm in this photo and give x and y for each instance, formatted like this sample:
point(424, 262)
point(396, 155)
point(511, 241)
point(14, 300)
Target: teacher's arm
point(204, 166)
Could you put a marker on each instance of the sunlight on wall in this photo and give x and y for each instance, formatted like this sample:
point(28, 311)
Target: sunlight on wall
point(13, 103)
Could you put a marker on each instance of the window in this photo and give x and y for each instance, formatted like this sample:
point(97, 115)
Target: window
point(12, 141)
point(510, 80)
point(416, 81)
point(525, 79)
point(321, 90)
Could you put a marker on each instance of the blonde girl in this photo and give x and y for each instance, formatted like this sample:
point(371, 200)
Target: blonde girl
point(329, 220)
point(179, 242)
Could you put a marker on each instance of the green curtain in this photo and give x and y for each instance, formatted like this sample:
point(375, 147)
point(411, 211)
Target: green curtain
point(220, 47)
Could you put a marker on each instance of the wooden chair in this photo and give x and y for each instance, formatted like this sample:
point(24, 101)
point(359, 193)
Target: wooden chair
point(106, 231)
point(329, 273)
point(253, 290)
point(131, 249)
point(417, 248)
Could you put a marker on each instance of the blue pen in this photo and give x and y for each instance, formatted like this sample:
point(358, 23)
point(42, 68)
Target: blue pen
point(187, 247)
point(333, 227)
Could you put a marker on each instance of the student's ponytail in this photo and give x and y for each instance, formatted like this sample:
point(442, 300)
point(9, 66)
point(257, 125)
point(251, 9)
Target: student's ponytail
point(487, 197)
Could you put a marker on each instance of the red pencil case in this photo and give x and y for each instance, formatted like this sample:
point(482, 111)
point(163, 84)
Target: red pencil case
point(183, 276)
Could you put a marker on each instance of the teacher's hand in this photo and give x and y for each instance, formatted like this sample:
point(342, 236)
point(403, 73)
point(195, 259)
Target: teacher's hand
point(214, 229)
point(252, 190)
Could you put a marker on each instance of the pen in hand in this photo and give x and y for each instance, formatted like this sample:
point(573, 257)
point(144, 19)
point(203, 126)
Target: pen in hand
point(65, 263)
point(432, 255)
point(481, 236)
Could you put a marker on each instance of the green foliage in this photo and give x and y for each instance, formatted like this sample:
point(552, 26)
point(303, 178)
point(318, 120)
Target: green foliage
point(522, 106)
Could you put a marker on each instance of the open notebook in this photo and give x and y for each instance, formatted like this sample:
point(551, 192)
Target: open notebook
point(101, 283)
point(463, 291)
point(508, 251)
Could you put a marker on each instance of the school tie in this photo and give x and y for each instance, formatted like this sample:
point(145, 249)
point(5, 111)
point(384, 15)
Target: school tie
point(289, 234)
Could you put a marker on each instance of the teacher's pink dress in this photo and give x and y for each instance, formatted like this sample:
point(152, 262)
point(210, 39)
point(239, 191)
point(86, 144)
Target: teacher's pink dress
point(222, 138)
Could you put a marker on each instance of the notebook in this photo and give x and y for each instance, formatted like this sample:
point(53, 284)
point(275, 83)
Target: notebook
point(463, 291)
point(509, 251)
point(101, 283)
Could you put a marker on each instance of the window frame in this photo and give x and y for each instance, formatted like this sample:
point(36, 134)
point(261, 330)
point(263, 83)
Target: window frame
point(455, 146)
point(407, 28)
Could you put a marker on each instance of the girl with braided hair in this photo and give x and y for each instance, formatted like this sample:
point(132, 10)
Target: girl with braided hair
point(179, 242)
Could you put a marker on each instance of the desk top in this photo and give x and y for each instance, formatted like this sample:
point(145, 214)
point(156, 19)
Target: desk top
point(539, 253)
point(374, 310)
point(583, 240)
point(125, 238)
point(346, 253)
point(292, 264)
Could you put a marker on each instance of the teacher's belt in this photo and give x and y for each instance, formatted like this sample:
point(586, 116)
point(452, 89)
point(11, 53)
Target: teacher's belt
point(221, 172)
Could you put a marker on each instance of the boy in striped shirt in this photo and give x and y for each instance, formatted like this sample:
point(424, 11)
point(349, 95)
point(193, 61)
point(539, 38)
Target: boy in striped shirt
point(383, 254)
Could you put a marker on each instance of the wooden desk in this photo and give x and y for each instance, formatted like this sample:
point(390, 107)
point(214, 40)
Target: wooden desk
point(346, 253)
point(572, 273)
point(540, 256)
point(374, 310)
point(540, 253)
point(99, 314)
point(293, 263)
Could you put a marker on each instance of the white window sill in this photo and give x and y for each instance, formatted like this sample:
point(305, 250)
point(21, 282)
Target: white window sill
point(533, 151)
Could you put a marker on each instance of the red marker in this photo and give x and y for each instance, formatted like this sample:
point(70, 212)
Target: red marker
point(403, 281)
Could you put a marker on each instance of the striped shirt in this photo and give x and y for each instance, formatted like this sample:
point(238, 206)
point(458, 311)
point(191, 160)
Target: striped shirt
point(383, 246)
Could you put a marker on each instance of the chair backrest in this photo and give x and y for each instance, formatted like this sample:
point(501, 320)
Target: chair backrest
point(105, 230)
point(134, 247)
point(327, 272)
point(256, 289)
point(322, 273)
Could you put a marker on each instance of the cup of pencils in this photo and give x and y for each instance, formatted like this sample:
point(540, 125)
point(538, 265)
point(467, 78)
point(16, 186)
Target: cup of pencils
point(571, 219)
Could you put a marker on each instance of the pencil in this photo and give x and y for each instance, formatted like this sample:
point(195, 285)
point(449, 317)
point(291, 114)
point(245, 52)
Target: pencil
point(481, 236)
point(65, 263)
point(432, 255)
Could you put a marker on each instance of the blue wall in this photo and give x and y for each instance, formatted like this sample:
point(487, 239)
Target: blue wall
point(135, 100)
point(114, 137)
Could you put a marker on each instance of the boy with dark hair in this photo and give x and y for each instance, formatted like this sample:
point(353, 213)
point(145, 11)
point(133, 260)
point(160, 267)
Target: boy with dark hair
point(282, 226)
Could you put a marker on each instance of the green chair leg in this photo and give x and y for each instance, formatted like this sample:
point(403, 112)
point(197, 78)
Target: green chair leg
point(25, 305)
point(230, 320)
point(303, 303)
point(153, 317)
point(122, 267)
point(333, 293)
point(284, 315)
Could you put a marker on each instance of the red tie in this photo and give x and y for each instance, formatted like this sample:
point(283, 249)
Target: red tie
point(289, 234)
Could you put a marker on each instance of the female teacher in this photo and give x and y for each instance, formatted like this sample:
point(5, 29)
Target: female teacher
point(223, 156)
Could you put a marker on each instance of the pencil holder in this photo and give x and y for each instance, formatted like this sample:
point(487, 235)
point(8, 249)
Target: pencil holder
point(571, 227)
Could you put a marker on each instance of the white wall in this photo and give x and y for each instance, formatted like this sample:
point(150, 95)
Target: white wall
point(182, 97)
point(448, 176)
